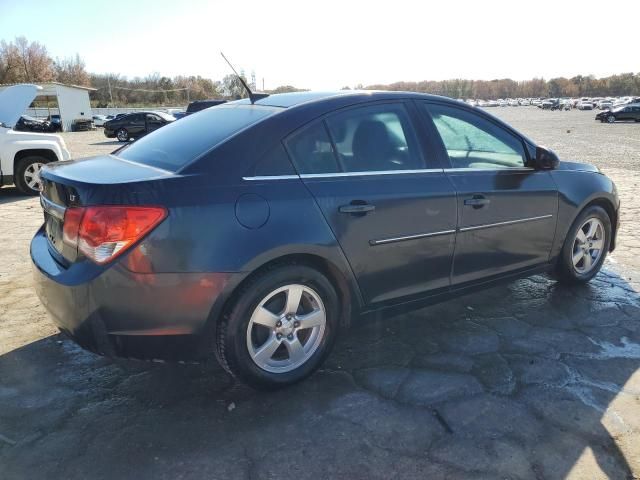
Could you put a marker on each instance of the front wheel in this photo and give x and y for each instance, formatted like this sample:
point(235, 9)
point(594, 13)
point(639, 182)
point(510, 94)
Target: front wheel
point(585, 246)
point(280, 328)
point(27, 174)
point(122, 135)
point(611, 119)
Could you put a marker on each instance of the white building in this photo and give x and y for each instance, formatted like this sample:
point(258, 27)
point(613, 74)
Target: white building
point(73, 102)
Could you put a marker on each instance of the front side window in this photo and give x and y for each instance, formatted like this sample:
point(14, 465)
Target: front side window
point(472, 141)
point(375, 138)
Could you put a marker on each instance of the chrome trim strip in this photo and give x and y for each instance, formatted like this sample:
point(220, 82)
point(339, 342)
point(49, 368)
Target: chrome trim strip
point(500, 224)
point(270, 177)
point(505, 169)
point(367, 173)
point(409, 237)
point(343, 174)
point(52, 208)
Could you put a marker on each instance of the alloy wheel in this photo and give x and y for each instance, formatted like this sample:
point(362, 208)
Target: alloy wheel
point(32, 176)
point(286, 328)
point(123, 136)
point(588, 245)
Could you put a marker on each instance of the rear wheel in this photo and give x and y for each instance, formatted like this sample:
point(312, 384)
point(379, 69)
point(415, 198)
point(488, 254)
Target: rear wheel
point(281, 327)
point(27, 174)
point(122, 135)
point(585, 246)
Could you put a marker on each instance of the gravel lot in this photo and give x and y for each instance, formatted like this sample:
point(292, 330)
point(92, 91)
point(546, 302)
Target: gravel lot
point(529, 380)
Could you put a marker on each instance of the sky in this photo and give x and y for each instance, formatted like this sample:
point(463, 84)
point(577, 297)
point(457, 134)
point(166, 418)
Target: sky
point(330, 44)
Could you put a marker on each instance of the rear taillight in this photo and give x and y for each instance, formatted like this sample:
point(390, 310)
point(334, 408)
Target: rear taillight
point(104, 232)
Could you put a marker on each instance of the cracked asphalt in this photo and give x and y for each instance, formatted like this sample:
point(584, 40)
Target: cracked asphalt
point(529, 380)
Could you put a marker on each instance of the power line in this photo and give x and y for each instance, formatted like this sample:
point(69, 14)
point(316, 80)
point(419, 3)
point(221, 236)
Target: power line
point(151, 91)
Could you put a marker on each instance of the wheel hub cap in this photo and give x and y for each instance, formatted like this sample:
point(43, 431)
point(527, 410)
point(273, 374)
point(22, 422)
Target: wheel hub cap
point(32, 175)
point(588, 245)
point(286, 328)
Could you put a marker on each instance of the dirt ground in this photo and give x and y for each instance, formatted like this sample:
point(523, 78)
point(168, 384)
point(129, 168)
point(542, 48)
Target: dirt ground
point(530, 380)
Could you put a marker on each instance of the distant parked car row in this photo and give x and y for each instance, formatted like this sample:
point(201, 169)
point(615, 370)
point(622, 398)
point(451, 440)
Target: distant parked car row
point(582, 103)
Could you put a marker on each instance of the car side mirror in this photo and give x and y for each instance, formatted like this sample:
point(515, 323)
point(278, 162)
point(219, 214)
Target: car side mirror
point(545, 159)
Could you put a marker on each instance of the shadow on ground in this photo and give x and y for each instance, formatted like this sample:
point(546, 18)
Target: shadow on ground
point(531, 380)
point(115, 143)
point(11, 194)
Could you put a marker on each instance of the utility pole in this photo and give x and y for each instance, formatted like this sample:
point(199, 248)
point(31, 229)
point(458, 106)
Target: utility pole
point(110, 96)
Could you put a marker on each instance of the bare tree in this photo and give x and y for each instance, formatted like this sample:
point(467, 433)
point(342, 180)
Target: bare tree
point(71, 70)
point(35, 63)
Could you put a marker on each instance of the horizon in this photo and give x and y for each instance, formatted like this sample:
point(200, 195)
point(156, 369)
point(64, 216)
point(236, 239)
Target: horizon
point(332, 50)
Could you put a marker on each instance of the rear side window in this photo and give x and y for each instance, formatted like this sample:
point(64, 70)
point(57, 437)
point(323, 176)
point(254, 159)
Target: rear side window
point(275, 162)
point(179, 143)
point(310, 150)
point(375, 138)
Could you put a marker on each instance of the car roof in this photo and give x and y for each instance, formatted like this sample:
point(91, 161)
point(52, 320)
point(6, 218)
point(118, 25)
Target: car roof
point(287, 100)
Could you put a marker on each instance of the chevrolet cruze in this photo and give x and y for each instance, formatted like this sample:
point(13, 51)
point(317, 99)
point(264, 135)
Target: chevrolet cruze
point(255, 231)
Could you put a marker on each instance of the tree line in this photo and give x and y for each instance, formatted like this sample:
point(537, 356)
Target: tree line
point(22, 61)
point(578, 86)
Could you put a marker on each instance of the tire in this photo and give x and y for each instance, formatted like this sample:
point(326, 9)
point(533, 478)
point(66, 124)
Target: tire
point(611, 119)
point(581, 271)
point(122, 134)
point(27, 174)
point(242, 335)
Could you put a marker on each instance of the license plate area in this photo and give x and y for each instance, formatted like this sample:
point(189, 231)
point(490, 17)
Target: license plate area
point(53, 229)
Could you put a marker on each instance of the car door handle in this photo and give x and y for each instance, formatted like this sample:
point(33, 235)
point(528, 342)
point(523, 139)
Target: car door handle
point(477, 201)
point(357, 208)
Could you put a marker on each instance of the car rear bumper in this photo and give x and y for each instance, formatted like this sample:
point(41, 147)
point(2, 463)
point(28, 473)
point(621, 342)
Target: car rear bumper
point(116, 312)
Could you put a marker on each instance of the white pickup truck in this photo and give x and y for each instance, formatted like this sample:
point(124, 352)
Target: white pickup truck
point(22, 154)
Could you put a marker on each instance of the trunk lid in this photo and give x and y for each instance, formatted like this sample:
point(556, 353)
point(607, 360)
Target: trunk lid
point(104, 180)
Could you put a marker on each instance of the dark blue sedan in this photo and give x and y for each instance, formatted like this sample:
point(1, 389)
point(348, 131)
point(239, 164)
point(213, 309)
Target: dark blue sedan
point(256, 231)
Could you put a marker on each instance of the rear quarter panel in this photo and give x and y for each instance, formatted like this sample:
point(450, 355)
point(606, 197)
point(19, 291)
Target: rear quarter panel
point(202, 232)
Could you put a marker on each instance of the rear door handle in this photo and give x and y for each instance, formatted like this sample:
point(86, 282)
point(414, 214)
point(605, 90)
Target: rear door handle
point(357, 208)
point(477, 201)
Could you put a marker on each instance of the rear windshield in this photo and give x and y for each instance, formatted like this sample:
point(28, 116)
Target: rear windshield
point(179, 143)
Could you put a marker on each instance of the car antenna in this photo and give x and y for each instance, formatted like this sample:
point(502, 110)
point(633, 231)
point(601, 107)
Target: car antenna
point(253, 97)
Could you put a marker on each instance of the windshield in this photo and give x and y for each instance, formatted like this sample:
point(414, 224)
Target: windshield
point(179, 143)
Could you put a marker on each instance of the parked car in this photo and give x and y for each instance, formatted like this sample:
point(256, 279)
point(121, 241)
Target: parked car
point(585, 104)
point(550, 104)
point(199, 105)
point(55, 122)
point(179, 115)
point(254, 231)
point(624, 113)
point(27, 123)
point(82, 124)
point(605, 104)
point(136, 125)
point(22, 154)
point(99, 120)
